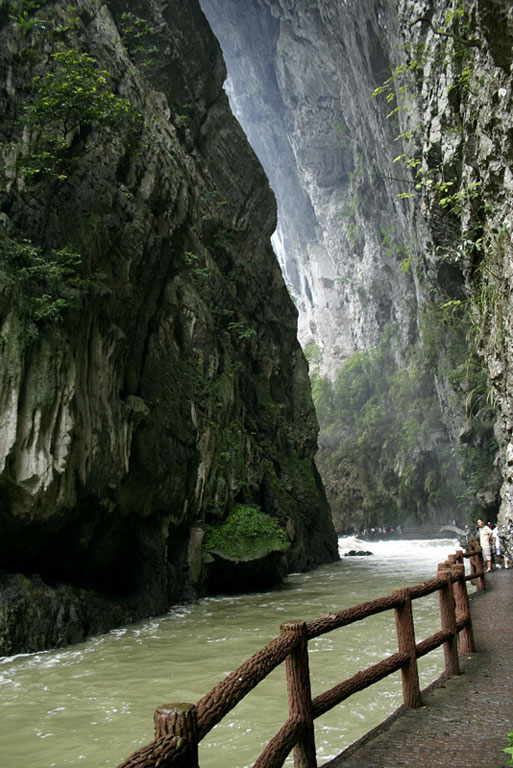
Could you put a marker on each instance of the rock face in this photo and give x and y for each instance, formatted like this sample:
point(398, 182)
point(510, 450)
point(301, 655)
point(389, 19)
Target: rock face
point(385, 229)
point(300, 80)
point(463, 100)
point(150, 375)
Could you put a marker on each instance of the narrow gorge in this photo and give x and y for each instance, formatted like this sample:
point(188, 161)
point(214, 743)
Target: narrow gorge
point(157, 430)
point(385, 130)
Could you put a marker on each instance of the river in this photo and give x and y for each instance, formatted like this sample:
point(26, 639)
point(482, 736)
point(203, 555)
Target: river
point(91, 705)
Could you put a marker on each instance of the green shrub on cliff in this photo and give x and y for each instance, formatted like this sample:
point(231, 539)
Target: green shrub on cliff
point(509, 748)
point(74, 96)
point(76, 93)
point(48, 283)
point(68, 111)
point(136, 33)
point(246, 533)
point(378, 415)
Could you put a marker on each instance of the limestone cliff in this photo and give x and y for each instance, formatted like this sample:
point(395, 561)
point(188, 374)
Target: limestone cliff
point(300, 80)
point(373, 242)
point(459, 56)
point(150, 376)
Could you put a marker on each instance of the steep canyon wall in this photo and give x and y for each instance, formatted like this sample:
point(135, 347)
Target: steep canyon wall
point(151, 382)
point(364, 115)
point(459, 56)
point(300, 79)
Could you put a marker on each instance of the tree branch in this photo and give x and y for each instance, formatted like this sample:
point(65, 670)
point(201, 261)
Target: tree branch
point(471, 43)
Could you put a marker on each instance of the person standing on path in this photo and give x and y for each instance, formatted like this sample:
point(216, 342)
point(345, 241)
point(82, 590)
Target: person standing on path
point(497, 553)
point(485, 536)
point(504, 551)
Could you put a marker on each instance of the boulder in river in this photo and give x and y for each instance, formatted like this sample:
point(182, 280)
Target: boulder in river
point(358, 553)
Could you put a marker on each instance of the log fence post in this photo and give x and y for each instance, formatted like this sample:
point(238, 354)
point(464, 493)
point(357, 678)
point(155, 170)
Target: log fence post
point(448, 620)
point(179, 720)
point(300, 696)
point(477, 563)
point(463, 606)
point(473, 560)
point(406, 644)
point(480, 566)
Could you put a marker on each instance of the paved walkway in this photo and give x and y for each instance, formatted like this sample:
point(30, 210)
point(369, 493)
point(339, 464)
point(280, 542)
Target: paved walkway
point(465, 719)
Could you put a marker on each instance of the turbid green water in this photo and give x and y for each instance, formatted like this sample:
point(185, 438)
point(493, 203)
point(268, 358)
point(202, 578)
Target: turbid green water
point(92, 704)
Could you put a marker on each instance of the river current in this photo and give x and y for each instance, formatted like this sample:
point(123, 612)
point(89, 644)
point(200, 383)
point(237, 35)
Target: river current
point(92, 704)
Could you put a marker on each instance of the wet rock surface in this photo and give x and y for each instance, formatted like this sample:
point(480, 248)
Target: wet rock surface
point(358, 553)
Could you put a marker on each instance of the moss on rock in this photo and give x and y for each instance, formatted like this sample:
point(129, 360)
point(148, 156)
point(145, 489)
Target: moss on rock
point(246, 534)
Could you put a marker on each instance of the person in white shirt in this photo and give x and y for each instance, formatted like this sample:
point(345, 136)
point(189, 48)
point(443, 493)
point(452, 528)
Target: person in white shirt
point(496, 545)
point(485, 535)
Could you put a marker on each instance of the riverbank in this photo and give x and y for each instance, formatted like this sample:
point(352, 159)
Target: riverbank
point(465, 719)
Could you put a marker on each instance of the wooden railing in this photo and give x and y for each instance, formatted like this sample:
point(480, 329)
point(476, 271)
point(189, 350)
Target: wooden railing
point(180, 727)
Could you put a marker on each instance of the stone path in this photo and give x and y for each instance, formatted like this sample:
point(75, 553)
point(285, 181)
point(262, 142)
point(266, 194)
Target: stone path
point(465, 720)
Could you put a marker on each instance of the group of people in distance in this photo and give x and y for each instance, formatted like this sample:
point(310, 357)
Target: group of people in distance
point(378, 530)
point(490, 542)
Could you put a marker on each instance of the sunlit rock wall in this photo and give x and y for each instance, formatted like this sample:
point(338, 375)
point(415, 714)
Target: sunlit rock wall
point(345, 240)
point(300, 80)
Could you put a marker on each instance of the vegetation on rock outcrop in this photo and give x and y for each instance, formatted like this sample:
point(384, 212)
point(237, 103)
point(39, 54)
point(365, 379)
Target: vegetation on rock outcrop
point(247, 533)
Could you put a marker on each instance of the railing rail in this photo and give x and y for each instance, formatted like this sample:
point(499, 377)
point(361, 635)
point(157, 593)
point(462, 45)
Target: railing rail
point(180, 727)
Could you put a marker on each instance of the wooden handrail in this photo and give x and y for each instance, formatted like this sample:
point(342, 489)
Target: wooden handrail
point(280, 746)
point(227, 694)
point(300, 694)
point(180, 727)
point(332, 621)
point(358, 682)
